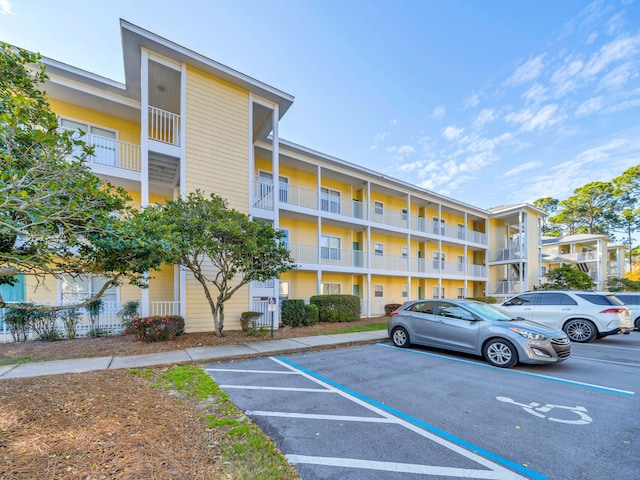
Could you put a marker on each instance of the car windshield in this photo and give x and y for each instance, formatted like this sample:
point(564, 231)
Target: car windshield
point(489, 312)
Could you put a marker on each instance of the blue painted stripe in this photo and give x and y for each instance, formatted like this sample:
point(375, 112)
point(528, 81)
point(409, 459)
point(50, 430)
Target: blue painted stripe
point(430, 428)
point(599, 388)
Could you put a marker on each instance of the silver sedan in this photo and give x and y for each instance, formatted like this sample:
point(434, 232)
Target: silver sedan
point(479, 329)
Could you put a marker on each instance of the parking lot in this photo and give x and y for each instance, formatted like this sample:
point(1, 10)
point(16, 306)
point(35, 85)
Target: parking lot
point(379, 412)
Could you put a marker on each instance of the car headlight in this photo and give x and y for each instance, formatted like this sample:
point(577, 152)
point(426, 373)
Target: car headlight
point(528, 334)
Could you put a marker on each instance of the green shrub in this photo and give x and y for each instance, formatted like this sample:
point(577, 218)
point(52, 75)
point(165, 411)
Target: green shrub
point(128, 313)
point(292, 312)
point(157, 328)
point(337, 308)
point(18, 321)
point(484, 299)
point(248, 320)
point(391, 307)
point(70, 319)
point(310, 315)
point(94, 308)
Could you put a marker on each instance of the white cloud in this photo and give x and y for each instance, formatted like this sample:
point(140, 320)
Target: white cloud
point(531, 120)
point(536, 94)
point(6, 8)
point(522, 168)
point(527, 72)
point(438, 112)
point(452, 132)
point(472, 100)
point(378, 139)
point(487, 115)
point(590, 106)
point(405, 150)
point(617, 77)
point(622, 48)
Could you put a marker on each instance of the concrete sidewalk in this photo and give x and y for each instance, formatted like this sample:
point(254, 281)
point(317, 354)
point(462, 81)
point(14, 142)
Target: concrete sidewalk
point(191, 355)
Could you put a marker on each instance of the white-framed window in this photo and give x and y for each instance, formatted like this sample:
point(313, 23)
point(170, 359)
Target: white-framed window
point(330, 288)
point(378, 291)
point(405, 214)
point(461, 264)
point(438, 260)
point(405, 252)
point(283, 287)
point(378, 249)
point(103, 141)
point(329, 200)
point(543, 270)
point(330, 247)
point(404, 291)
point(378, 208)
point(461, 293)
point(78, 289)
point(438, 225)
point(285, 238)
point(461, 231)
point(437, 292)
point(265, 180)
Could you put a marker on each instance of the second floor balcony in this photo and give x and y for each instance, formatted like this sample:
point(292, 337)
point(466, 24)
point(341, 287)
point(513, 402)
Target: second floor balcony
point(322, 203)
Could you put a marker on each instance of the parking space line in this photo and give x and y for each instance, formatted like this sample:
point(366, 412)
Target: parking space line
point(284, 389)
point(275, 372)
point(399, 467)
point(591, 386)
point(607, 361)
point(313, 416)
point(499, 467)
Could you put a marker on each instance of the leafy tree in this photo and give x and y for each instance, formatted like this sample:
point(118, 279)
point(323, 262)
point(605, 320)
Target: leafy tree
point(549, 205)
point(629, 223)
point(616, 284)
point(223, 248)
point(591, 209)
point(567, 277)
point(56, 216)
point(629, 182)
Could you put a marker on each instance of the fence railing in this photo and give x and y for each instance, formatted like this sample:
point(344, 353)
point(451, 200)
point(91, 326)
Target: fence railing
point(164, 126)
point(108, 322)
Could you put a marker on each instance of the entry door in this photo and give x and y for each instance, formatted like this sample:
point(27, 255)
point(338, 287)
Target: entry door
point(104, 145)
point(357, 255)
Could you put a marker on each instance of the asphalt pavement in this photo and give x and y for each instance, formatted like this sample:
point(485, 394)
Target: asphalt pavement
point(193, 355)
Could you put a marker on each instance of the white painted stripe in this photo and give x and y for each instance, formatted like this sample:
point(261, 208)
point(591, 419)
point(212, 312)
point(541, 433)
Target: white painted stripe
point(573, 382)
point(276, 372)
point(501, 472)
point(404, 467)
point(313, 416)
point(607, 361)
point(284, 389)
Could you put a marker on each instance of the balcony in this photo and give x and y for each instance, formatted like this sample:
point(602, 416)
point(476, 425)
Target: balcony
point(109, 152)
point(332, 205)
point(505, 288)
point(164, 126)
point(506, 254)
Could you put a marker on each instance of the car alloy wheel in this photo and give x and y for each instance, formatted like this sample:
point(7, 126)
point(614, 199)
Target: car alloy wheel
point(580, 331)
point(500, 353)
point(400, 337)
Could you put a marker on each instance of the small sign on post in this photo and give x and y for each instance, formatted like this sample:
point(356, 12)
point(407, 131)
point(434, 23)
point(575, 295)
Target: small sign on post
point(272, 309)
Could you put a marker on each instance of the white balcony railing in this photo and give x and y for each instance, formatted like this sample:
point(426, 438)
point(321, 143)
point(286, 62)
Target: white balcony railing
point(506, 254)
point(109, 152)
point(504, 288)
point(164, 126)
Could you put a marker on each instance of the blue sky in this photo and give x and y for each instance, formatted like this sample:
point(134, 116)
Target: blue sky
point(487, 101)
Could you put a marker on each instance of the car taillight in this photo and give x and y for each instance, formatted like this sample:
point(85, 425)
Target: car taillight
point(393, 313)
point(614, 310)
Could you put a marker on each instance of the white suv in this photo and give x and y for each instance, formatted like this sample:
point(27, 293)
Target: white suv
point(583, 315)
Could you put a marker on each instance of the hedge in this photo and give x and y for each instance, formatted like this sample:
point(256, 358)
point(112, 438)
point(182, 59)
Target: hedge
point(337, 308)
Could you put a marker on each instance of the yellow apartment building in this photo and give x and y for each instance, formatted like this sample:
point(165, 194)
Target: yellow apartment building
point(182, 122)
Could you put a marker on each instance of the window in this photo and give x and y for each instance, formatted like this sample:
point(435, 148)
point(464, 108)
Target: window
point(461, 292)
point(330, 288)
point(405, 252)
point(76, 290)
point(461, 264)
point(329, 200)
point(265, 180)
point(437, 292)
point(103, 141)
point(438, 261)
point(283, 286)
point(423, 307)
point(378, 291)
point(284, 241)
point(453, 311)
point(528, 299)
point(330, 248)
point(378, 249)
point(438, 225)
point(461, 230)
point(405, 214)
point(555, 299)
point(378, 208)
point(404, 291)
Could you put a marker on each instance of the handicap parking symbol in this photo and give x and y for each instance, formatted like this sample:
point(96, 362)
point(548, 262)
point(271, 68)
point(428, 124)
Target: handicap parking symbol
point(541, 411)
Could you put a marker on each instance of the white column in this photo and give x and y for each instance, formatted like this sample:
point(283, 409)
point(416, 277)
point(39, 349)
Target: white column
point(144, 152)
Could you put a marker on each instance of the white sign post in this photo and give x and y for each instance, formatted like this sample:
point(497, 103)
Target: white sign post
point(272, 309)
